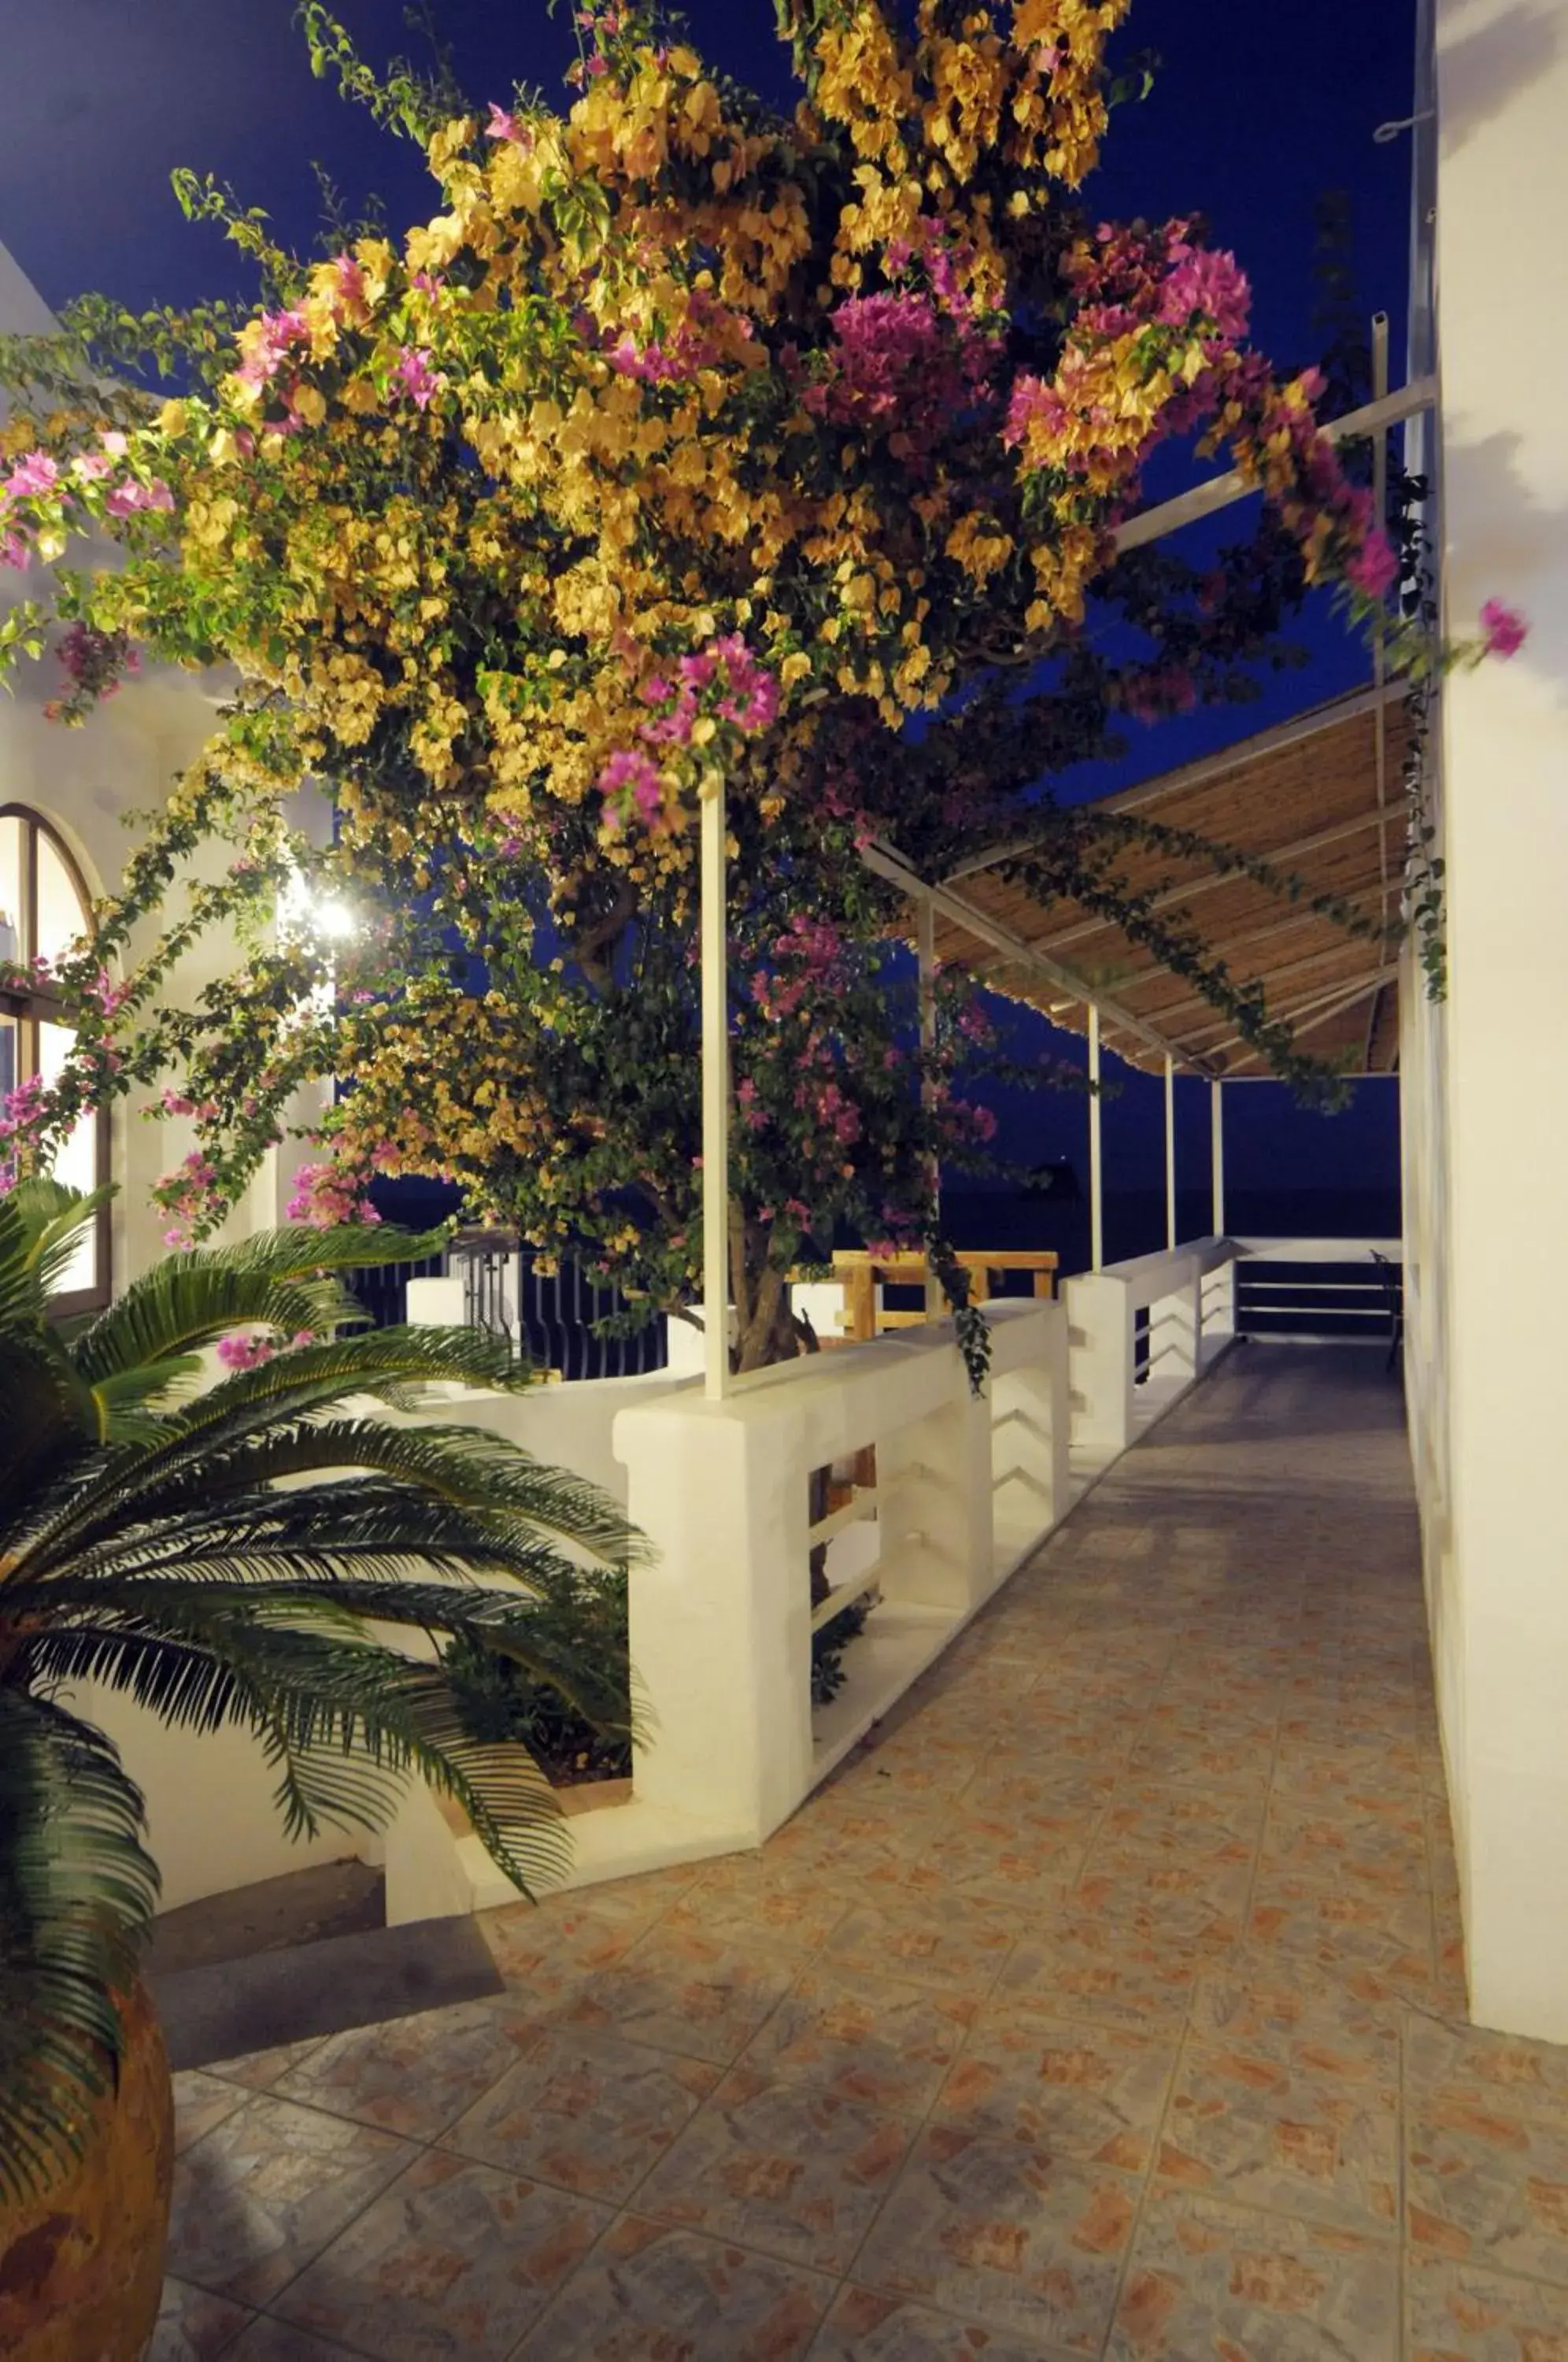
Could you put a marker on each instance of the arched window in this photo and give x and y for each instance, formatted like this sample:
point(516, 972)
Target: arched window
point(43, 908)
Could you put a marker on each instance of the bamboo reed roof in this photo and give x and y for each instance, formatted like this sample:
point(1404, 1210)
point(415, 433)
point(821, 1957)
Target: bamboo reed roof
point(1304, 798)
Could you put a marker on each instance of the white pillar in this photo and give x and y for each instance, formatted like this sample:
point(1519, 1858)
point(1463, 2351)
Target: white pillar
point(720, 1618)
point(1217, 1131)
point(925, 948)
point(1096, 1177)
point(1102, 1364)
point(1500, 1601)
point(715, 1103)
point(1170, 1151)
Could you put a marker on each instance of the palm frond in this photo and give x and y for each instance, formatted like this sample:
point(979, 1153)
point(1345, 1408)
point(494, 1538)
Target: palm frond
point(41, 1226)
point(343, 1720)
point(219, 1601)
point(186, 1302)
point(268, 1550)
point(510, 1498)
point(77, 1889)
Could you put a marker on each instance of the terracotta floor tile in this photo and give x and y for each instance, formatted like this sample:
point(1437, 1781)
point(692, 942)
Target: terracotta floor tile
point(263, 2191)
point(683, 1993)
point(866, 2327)
point(1014, 2237)
point(454, 2258)
point(194, 2325)
point(1463, 2312)
point(1027, 1857)
point(1265, 2134)
point(585, 2111)
point(787, 2168)
point(547, 1948)
point(1242, 1764)
point(920, 1777)
point(746, 1901)
point(1072, 2018)
point(202, 2101)
point(867, 2038)
point(1088, 1966)
point(268, 2340)
point(1090, 2092)
point(650, 2290)
point(1316, 1921)
point(1208, 2281)
point(1147, 1817)
point(414, 2075)
point(1204, 1901)
point(1073, 1793)
point(845, 1848)
point(1485, 2185)
point(956, 1949)
point(260, 2070)
point(1457, 2065)
point(1323, 2031)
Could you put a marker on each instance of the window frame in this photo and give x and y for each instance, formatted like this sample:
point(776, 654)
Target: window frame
point(33, 1005)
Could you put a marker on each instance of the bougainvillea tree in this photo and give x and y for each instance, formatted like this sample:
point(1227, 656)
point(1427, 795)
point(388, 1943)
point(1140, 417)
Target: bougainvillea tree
point(687, 442)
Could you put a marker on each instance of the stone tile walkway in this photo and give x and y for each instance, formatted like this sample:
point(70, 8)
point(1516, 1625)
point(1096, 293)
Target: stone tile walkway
point(1109, 2005)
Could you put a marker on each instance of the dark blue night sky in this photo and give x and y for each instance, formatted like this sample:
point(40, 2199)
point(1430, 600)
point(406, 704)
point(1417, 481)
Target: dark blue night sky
point(1254, 114)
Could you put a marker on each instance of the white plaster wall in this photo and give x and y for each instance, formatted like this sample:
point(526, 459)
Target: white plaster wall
point(1502, 1597)
point(211, 1820)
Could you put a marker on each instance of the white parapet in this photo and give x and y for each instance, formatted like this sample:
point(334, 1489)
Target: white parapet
point(1189, 1294)
point(727, 1744)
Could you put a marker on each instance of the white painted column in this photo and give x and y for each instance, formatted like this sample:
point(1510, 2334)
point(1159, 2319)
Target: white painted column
point(1170, 1151)
point(1096, 1173)
point(925, 948)
point(1500, 1608)
point(1102, 1364)
point(1217, 1132)
point(715, 1104)
point(720, 1618)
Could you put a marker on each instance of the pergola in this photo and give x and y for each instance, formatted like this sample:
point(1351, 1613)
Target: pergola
point(1319, 800)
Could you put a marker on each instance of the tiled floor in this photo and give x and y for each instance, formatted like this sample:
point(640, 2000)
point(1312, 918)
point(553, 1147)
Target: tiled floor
point(1109, 2005)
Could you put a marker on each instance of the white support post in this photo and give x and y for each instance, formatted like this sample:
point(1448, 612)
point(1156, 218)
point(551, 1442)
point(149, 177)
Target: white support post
point(1097, 1203)
point(1217, 1128)
point(715, 1104)
point(1170, 1151)
point(925, 949)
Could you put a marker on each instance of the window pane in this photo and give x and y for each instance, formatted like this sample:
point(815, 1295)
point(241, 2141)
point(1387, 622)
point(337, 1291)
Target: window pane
point(61, 915)
point(10, 890)
point(77, 1163)
point(9, 1041)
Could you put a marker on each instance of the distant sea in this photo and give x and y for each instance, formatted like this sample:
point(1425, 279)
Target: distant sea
point(1135, 1219)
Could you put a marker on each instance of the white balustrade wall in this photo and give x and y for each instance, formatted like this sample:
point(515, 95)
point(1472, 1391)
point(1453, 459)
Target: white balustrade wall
point(967, 1487)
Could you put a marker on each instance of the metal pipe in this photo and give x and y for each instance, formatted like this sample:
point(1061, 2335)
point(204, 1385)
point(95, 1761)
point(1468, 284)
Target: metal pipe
point(1170, 1151)
point(1217, 1136)
point(1096, 1205)
point(1357, 426)
point(715, 1103)
point(885, 863)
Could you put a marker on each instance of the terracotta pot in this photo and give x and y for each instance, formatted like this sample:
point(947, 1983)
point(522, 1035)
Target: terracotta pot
point(82, 2266)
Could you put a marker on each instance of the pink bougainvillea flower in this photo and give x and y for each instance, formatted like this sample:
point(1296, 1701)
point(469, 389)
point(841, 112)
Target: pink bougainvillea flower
point(418, 375)
point(34, 472)
point(1375, 566)
point(243, 1353)
point(126, 499)
point(502, 125)
point(1505, 630)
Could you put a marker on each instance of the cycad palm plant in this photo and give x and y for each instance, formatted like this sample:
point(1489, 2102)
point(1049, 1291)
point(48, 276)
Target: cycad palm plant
point(237, 1548)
